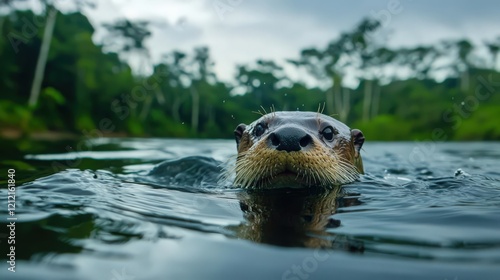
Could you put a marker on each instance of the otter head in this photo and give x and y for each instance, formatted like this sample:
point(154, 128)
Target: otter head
point(297, 149)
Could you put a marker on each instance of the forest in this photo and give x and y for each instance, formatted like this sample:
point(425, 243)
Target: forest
point(55, 79)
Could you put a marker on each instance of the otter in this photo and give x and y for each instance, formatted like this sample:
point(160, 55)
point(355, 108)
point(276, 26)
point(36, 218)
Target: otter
point(297, 149)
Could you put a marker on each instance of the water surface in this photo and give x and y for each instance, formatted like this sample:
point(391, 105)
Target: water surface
point(156, 209)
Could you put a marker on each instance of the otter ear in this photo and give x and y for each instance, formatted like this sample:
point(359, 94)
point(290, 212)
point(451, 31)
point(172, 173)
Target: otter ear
point(358, 139)
point(238, 132)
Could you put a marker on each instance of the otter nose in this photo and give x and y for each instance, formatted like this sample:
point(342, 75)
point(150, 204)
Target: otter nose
point(290, 139)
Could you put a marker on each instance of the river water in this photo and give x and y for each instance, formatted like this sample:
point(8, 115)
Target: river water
point(124, 209)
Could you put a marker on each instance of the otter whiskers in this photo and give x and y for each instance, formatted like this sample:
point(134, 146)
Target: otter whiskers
point(258, 169)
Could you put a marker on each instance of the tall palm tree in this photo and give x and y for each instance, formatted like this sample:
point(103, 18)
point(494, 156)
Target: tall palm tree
point(50, 15)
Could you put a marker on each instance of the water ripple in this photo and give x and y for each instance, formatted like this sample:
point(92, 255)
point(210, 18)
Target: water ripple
point(426, 211)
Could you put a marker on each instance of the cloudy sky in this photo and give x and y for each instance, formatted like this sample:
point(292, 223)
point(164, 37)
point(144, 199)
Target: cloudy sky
point(241, 31)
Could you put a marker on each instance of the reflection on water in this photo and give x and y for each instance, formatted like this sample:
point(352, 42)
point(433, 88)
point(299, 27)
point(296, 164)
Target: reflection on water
point(293, 218)
point(146, 208)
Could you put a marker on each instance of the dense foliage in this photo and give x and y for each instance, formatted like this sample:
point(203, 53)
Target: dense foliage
point(87, 88)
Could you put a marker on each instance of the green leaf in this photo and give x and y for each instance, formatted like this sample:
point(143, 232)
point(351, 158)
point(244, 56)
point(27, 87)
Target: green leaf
point(54, 94)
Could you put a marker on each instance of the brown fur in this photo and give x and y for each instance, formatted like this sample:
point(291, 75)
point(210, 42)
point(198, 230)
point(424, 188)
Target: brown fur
point(324, 163)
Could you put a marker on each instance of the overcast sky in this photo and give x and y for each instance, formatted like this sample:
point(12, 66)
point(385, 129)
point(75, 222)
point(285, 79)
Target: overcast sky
point(241, 31)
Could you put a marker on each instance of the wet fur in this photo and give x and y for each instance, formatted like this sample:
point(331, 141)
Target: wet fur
point(325, 164)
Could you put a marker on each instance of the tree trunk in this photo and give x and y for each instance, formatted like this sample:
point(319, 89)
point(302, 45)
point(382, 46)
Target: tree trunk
point(376, 100)
point(329, 101)
point(195, 111)
point(146, 107)
point(42, 56)
point(149, 101)
point(337, 93)
point(338, 101)
point(495, 60)
point(367, 100)
point(176, 105)
point(346, 105)
point(342, 102)
point(160, 97)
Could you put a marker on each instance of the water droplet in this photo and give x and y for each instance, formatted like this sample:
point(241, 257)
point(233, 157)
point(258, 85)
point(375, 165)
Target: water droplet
point(223, 101)
point(286, 94)
point(182, 122)
point(302, 105)
point(460, 172)
point(232, 117)
point(463, 103)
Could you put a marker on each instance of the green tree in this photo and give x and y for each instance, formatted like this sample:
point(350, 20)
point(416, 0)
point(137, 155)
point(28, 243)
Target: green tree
point(493, 48)
point(50, 12)
point(261, 83)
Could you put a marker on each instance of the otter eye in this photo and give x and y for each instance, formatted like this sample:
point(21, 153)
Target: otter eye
point(259, 129)
point(328, 133)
